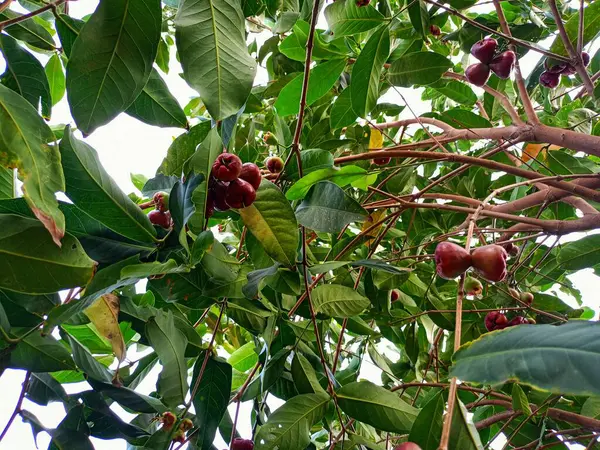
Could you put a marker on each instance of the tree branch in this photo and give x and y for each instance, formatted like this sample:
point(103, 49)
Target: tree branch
point(18, 19)
point(18, 406)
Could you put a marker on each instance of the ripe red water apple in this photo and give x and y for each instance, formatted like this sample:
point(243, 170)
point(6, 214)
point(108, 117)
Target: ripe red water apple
point(518, 320)
point(240, 194)
point(218, 191)
point(251, 173)
point(274, 164)
point(395, 295)
point(160, 218)
point(382, 161)
point(490, 262)
point(495, 320)
point(451, 260)
point(227, 167)
point(407, 446)
point(485, 50)
point(502, 64)
point(549, 79)
point(477, 74)
point(242, 444)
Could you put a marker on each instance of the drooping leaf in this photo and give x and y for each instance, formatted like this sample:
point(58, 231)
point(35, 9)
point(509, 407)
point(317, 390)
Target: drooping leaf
point(181, 205)
point(463, 433)
point(68, 29)
point(211, 41)
point(338, 301)
point(38, 353)
point(271, 220)
point(86, 362)
point(43, 389)
point(419, 68)
point(342, 113)
point(56, 79)
point(305, 377)
point(346, 18)
point(128, 397)
point(104, 314)
point(105, 50)
point(376, 406)
point(419, 17)
point(91, 188)
point(457, 91)
point(427, 429)
point(24, 144)
point(555, 358)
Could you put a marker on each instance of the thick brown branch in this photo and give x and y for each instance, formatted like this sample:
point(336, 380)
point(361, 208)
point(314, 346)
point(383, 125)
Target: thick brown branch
point(421, 120)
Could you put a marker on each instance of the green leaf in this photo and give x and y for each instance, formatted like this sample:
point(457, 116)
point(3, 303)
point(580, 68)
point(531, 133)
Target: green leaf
point(311, 159)
point(56, 79)
point(212, 397)
point(28, 31)
point(591, 22)
point(38, 353)
point(580, 254)
point(211, 42)
point(183, 148)
point(68, 29)
point(419, 17)
point(462, 118)
point(156, 105)
point(91, 188)
point(329, 209)
point(463, 433)
point(248, 314)
point(376, 406)
point(87, 363)
point(294, 46)
point(346, 18)
point(288, 428)
point(128, 397)
point(427, 429)
point(25, 75)
point(366, 71)
point(7, 183)
point(338, 301)
point(268, 376)
point(201, 163)
point(163, 56)
point(26, 248)
point(169, 343)
point(105, 50)
point(155, 268)
point(305, 377)
point(43, 389)
point(342, 113)
point(519, 400)
point(181, 205)
point(562, 359)
point(244, 358)
point(340, 176)
point(322, 78)
point(420, 68)
point(24, 138)
point(271, 220)
point(457, 91)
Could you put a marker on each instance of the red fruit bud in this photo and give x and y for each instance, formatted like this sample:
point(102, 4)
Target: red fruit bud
point(490, 262)
point(382, 161)
point(495, 320)
point(407, 446)
point(274, 164)
point(227, 167)
point(549, 79)
point(502, 64)
point(168, 419)
point(451, 260)
point(251, 173)
point(519, 320)
point(186, 424)
point(395, 295)
point(179, 436)
point(160, 218)
point(240, 194)
point(435, 30)
point(477, 74)
point(484, 50)
point(242, 444)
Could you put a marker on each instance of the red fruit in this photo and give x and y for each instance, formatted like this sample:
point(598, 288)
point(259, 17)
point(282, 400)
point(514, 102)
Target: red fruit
point(407, 446)
point(519, 320)
point(395, 295)
point(360, 3)
point(484, 50)
point(556, 68)
point(502, 64)
point(568, 70)
point(240, 194)
point(473, 286)
point(218, 191)
point(274, 164)
point(242, 444)
point(179, 436)
point(186, 424)
point(451, 260)
point(585, 56)
point(477, 74)
point(511, 249)
point(251, 173)
point(160, 218)
point(161, 201)
point(168, 419)
point(227, 167)
point(435, 30)
point(526, 297)
point(549, 79)
point(495, 320)
point(382, 161)
point(490, 262)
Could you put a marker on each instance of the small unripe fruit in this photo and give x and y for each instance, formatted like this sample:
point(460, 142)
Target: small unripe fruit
point(514, 293)
point(270, 139)
point(186, 424)
point(473, 286)
point(179, 436)
point(495, 320)
point(502, 64)
point(490, 262)
point(251, 173)
point(274, 164)
point(161, 201)
point(168, 419)
point(242, 444)
point(477, 74)
point(227, 167)
point(531, 321)
point(240, 194)
point(451, 260)
point(435, 30)
point(549, 79)
point(519, 320)
point(407, 446)
point(382, 161)
point(395, 295)
point(160, 218)
point(526, 297)
point(484, 50)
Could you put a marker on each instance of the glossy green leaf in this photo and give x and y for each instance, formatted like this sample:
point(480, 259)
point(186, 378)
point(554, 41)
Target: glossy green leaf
point(376, 406)
point(97, 194)
point(7, 183)
point(463, 433)
point(268, 376)
point(24, 144)
point(591, 22)
point(26, 247)
point(183, 148)
point(24, 74)
point(68, 29)
point(181, 206)
point(519, 400)
point(211, 41)
point(342, 113)
point(271, 220)
point(329, 209)
point(311, 160)
point(427, 429)
point(419, 17)
point(244, 358)
point(155, 105)
point(305, 377)
point(462, 118)
point(106, 50)
point(322, 78)
point(43, 389)
point(366, 71)
point(340, 176)
point(420, 68)
point(580, 254)
point(346, 18)
point(288, 428)
point(38, 353)
point(128, 397)
point(87, 363)
point(554, 358)
point(28, 31)
point(338, 301)
point(56, 78)
point(457, 91)
point(212, 397)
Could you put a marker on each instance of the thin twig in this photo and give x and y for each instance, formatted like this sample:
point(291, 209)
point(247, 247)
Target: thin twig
point(18, 406)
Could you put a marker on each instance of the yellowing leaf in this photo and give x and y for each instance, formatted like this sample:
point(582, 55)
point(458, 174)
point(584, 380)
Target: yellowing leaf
point(374, 217)
point(376, 139)
point(531, 151)
point(104, 314)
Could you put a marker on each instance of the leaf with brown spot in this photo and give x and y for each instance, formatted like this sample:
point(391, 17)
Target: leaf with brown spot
point(104, 314)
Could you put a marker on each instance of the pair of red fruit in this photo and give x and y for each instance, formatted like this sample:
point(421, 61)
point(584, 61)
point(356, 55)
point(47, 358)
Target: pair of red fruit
point(551, 76)
point(489, 261)
point(485, 51)
point(495, 320)
point(160, 215)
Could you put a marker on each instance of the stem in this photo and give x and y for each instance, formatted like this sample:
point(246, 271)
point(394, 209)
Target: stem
point(24, 17)
point(581, 27)
point(18, 406)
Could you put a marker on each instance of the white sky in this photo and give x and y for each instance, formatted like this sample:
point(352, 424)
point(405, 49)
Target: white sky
point(127, 145)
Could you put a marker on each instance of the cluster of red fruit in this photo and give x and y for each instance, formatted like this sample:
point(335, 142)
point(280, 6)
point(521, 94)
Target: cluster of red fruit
point(551, 76)
point(168, 419)
point(496, 320)
point(489, 261)
point(160, 215)
point(485, 51)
